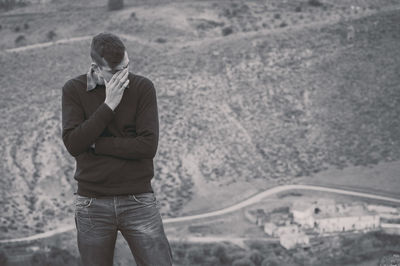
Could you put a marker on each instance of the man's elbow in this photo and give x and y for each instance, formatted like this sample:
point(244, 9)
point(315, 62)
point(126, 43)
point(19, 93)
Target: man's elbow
point(151, 149)
point(71, 148)
point(73, 151)
point(152, 152)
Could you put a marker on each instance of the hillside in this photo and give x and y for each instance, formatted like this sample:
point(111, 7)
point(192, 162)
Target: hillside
point(240, 109)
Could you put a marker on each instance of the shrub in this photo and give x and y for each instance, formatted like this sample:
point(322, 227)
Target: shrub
point(38, 259)
point(219, 251)
point(256, 257)
point(161, 40)
point(226, 31)
point(195, 255)
point(51, 35)
point(237, 255)
point(314, 3)
point(26, 26)
point(277, 16)
point(283, 24)
point(115, 4)
point(243, 262)
point(7, 4)
point(298, 9)
point(60, 257)
point(20, 40)
point(55, 256)
point(211, 261)
point(270, 262)
point(283, 209)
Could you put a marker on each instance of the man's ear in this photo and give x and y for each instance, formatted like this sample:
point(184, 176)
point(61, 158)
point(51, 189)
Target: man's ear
point(95, 67)
point(97, 73)
point(96, 70)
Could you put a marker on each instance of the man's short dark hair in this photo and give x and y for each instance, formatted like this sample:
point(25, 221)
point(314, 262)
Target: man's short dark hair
point(109, 47)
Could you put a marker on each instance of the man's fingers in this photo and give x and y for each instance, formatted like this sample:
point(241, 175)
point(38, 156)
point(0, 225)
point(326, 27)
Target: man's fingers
point(122, 80)
point(114, 77)
point(119, 77)
point(121, 74)
point(125, 84)
point(125, 75)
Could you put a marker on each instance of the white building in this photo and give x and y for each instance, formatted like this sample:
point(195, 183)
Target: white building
point(270, 229)
point(302, 213)
point(346, 223)
point(287, 230)
point(391, 228)
point(382, 209)
point(289, 241)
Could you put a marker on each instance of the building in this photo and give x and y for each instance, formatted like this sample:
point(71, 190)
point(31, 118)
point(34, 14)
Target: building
point(346, 223)
point(270, 229)
point(255, 216)
point(302, 213)
point(382, 209)
point(391, 228)
point(289, 241)
point(287, 230)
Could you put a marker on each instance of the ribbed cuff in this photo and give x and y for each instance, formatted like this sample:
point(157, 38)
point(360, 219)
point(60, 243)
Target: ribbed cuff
point(106, 113)
point(109, 107)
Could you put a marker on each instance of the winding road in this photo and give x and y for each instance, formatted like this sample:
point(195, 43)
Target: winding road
point(232, 208)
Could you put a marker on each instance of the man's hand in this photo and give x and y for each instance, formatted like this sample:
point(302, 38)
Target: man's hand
point(115, 88)
point(92, 146)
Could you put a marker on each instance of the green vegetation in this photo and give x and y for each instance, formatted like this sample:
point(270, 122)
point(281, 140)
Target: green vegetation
point(10, 4)
point(115, 4)
point(55, 256)
point(214, 254)
point(314, 3)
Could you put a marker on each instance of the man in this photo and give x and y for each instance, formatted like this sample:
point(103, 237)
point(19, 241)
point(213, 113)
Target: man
point(110, 125)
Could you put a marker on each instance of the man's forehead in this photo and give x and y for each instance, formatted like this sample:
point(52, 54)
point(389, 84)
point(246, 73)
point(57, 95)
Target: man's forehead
point(123, 64)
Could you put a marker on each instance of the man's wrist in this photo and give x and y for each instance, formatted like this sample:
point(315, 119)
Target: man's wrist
point(109, 105)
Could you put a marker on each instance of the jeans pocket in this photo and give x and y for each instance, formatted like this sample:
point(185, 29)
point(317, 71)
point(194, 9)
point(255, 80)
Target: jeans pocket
point(83, 217)
point(83, 201)
point(147, 198)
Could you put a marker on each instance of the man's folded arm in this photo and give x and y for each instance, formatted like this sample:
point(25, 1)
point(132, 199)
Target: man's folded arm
point(144, 144)
point(77, 133)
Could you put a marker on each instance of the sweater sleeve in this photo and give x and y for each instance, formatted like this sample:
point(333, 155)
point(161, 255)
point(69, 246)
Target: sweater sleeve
point(144, 144)
point(79, 133)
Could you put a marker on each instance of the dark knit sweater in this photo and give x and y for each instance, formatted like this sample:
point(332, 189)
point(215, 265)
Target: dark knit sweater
point(125, 139)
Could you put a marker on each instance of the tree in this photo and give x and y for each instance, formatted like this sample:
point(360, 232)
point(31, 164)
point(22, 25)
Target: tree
point(55, 256)
point(115, 4)
point(60, 257)
point(195, 255)
point(38, 259)
point(243, 262)
point(219, 251)
point(256, 257)
point(270, 262)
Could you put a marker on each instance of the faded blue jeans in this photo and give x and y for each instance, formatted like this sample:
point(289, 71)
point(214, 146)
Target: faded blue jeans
point(138, 218)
